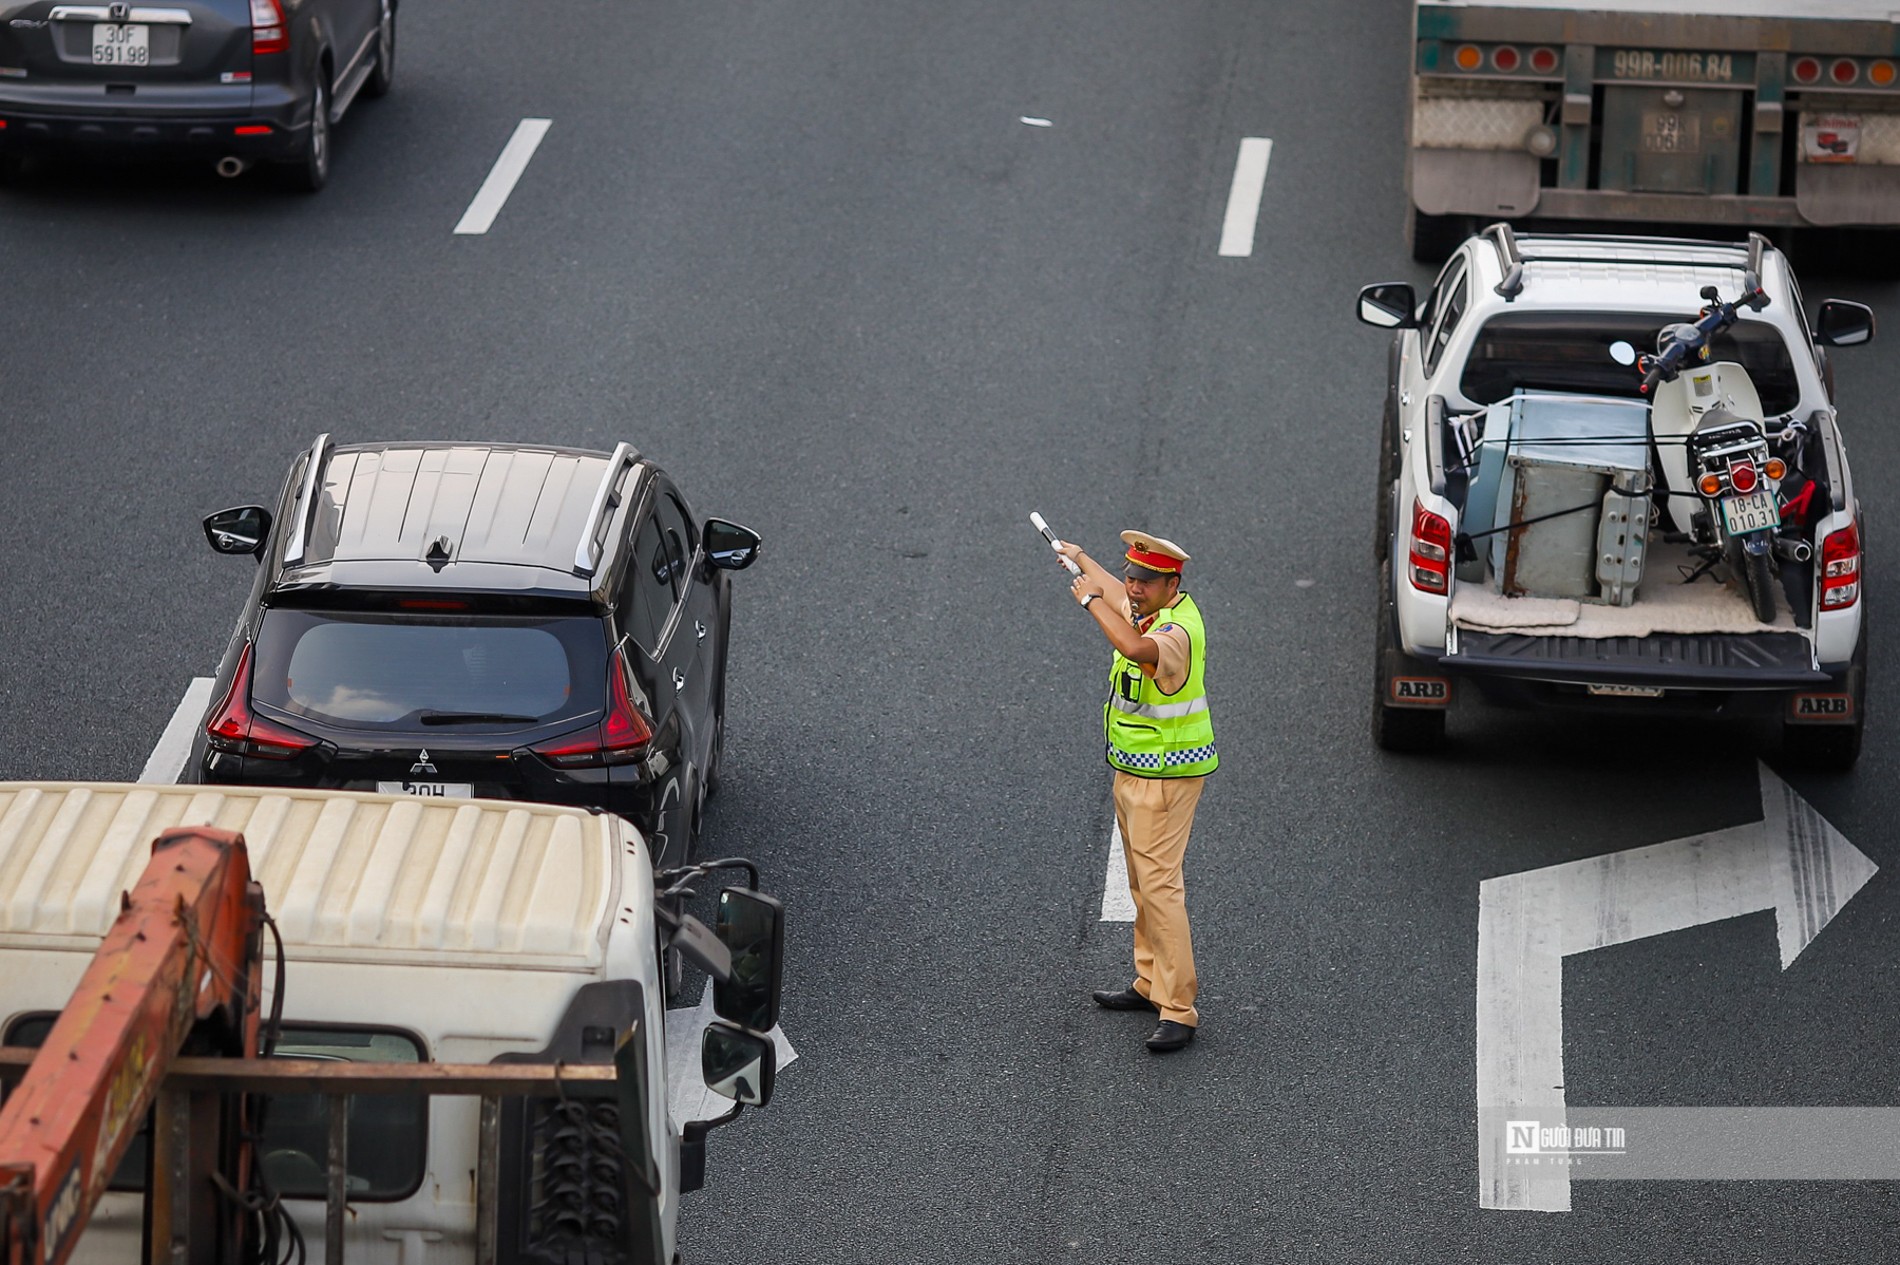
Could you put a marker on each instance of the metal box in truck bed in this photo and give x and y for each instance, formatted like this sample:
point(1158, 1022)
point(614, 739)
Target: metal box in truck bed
point(1567, 481)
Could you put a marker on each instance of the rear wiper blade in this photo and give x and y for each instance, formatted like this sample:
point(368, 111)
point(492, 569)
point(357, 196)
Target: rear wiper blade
point(474, 718)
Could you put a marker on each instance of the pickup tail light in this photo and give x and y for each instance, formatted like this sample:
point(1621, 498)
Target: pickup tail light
point(236, 729)
point(1431, 550)
point(620, 737)
point(269, 32)
point(1840, 568)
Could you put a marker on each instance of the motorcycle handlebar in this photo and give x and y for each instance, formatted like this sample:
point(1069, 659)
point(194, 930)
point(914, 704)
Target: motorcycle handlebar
point(1716, 317)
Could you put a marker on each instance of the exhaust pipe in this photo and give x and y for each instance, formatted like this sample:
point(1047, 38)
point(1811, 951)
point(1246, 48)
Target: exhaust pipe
point(1792, 549)
point(231, 166)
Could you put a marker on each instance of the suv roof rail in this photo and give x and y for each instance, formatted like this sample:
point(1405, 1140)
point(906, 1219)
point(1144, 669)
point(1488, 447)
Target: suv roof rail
point(585, 556)
point(306, 505)
point(1505, 239)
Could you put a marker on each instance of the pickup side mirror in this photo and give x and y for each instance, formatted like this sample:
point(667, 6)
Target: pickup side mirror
point(1844, 323)
point(737, 1064)
point(751, 925)
point(1389, 305)
point(729, 546)
point(241, 529)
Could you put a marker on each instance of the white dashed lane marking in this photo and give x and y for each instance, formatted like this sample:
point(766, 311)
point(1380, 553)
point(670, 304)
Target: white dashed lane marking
point(1117, 904)
point(501, 180)
point(1243, 198)
point(167, 762)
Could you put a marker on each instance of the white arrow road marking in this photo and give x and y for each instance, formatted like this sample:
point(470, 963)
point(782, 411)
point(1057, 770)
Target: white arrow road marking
point(686, 1092)
point(1243, 197)
point(1118, 904)
point(166, 764)
point(501, 180)
point(1792, 861)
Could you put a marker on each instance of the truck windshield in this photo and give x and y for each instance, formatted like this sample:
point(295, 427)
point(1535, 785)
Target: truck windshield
point(1570, 351)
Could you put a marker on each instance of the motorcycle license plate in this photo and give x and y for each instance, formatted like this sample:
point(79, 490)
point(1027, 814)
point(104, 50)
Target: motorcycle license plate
point(1755, 512)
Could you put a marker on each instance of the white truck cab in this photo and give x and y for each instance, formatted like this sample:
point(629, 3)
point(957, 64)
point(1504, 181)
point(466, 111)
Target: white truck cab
point(1519, 321)
point(413, 931)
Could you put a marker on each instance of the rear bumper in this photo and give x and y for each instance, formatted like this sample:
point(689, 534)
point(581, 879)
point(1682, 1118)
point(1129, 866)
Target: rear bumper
point(1751, 661)
point(210, 136)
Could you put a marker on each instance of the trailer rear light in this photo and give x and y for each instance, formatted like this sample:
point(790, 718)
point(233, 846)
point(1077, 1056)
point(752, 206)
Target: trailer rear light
point(1844, 71)
point(1468, 57)
point(236, 729)
point(1840, 568)
point(621, 737)
point(269, 32)
point(1431, 551)
point(1881, 74)
point(1543, 60)
point(1806, 69)
point(1742, 477)
point(1505, 58)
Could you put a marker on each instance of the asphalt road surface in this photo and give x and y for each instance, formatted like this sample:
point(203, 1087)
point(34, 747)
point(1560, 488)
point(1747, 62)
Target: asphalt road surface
point(810, 257)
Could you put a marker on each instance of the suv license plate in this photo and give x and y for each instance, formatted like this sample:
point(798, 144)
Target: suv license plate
point(121, 44)
point(428, 790)
point(1755, 512)
point(1626, 691)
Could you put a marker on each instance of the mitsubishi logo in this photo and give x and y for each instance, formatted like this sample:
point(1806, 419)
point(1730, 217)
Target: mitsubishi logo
point(422, 764)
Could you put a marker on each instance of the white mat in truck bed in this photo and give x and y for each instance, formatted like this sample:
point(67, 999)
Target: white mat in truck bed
point(1664, 604)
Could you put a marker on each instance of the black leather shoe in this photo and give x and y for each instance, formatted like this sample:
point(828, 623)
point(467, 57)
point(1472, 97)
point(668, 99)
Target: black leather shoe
point(1170, 1036)
point(1122, 999)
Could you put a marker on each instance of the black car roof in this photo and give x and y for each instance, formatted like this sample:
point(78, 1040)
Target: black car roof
point(513, 518)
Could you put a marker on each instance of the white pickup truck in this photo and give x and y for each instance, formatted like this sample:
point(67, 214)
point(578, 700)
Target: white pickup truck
point(1555, 538)
point(418, 932)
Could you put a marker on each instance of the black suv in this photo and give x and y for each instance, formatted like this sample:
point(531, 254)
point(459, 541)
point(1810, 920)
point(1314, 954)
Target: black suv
point(232, 81)
point(506, 621)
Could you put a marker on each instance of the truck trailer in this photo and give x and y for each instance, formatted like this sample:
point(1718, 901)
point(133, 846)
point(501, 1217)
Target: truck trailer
point(1744, 113)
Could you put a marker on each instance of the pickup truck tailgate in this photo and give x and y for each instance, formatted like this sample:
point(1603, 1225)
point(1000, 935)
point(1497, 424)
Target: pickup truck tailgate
point(1727, 661)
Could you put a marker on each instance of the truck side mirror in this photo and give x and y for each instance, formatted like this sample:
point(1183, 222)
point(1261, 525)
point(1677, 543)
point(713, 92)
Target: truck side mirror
point(752, 927)
point(737, 1064)
point(241, 529)
point(1389, 305)
point(729, 546)
point(1844, 323)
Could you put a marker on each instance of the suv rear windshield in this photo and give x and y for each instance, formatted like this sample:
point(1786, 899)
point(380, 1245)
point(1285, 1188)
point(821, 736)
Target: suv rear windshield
point(399, 671)
point(1569, 351)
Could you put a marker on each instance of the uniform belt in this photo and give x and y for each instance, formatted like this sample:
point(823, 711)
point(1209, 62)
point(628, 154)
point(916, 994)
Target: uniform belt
point(1159, 711)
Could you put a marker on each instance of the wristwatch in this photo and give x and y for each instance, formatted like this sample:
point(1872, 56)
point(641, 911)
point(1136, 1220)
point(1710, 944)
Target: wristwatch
point(1090, 598)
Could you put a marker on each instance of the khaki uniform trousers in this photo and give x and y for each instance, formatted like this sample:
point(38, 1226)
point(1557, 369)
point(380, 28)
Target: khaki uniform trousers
point(1155, 815)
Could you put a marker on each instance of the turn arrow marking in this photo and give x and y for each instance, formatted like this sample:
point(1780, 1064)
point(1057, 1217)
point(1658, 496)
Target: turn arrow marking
point(1792, 861)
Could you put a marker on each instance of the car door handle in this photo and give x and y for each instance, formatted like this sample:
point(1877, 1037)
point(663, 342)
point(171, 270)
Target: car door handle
point(679, 680)
point(699, 631)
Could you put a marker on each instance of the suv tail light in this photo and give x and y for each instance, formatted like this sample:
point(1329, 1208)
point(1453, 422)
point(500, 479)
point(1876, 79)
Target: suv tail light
point(1431, 550)
point(1840, 568)
point(621, 737)
point(236, 729)
point(269, 32)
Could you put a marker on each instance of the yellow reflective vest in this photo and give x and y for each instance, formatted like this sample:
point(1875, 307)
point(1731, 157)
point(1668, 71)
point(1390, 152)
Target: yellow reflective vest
point(1151, 734)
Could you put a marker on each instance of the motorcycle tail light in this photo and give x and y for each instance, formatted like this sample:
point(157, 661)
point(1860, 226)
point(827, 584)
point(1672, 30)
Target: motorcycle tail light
point(1742, 477)
point(1431, 551)
point(1840, 568)
point(1711, 484)
point(1775, 468)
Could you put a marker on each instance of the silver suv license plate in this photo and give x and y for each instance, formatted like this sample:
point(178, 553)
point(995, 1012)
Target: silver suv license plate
point(1626, 691)
point(121, 44)
point(428, 790)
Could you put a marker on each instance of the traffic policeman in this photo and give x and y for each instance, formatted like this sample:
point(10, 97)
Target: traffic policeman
point(1159, 738)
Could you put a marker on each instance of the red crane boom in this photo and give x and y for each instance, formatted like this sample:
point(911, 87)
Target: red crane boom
point(180, 964)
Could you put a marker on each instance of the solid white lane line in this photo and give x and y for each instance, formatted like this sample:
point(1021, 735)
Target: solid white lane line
point(1243, 199)
point(501, 179)
point(1117, 904)
point(167, 760)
